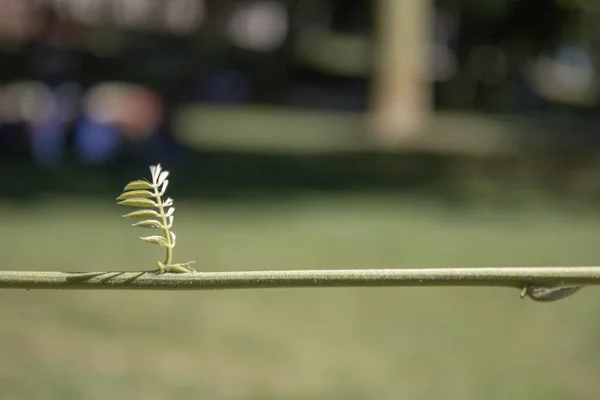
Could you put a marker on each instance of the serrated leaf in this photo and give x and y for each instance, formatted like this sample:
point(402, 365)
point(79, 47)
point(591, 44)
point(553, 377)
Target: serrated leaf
point(161, 178)
point(138, 203)
point(142, 214)
point(149, 223)
point(164, 187)
point(140, 194)
point(170, 212)
point(168, 202)
point(136, 185)
point(156, 240)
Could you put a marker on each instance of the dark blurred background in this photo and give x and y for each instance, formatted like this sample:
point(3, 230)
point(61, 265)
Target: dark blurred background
point(301, 134)
point(287, 94)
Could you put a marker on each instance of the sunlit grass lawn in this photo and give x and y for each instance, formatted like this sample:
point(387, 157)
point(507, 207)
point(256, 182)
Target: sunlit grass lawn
point(404, 343)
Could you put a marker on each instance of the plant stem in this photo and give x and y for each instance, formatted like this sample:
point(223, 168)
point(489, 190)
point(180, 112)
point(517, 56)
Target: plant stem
point(516, 277)
point(161, 209)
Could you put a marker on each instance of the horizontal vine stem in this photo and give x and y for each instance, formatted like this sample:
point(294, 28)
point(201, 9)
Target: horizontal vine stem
point(517, 277)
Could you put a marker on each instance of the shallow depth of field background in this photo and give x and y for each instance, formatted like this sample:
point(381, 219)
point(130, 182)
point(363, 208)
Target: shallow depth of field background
point(300, 135)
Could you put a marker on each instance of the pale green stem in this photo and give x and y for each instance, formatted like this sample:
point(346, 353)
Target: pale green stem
point(515, 277)
point(169, 256)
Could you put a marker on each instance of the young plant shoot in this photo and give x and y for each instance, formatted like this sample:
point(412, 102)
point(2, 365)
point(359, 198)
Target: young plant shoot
point(156, 214)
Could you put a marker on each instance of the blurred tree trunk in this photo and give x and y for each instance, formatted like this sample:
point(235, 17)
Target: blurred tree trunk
point(401, 92)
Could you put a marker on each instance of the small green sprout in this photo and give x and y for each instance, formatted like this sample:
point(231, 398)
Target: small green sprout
point(141, 193)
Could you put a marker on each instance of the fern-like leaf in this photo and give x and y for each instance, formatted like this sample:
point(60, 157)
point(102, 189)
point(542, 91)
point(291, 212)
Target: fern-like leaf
point(139, 202)
point(142, 214)
point(156, 239)
point(150, 223)
point(162, 177)
point(136, 185)
point(141, 193)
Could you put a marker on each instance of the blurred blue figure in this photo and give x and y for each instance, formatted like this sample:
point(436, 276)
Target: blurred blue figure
point(96, 142)
point(229, 86)
point(6, 136)
point(48, 141)
point(50, 125)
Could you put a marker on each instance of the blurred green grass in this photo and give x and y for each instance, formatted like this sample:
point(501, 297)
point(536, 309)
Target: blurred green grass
point(284, 130)
point(409, 343)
